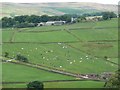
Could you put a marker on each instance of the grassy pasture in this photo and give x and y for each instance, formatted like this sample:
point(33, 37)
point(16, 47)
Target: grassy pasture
point(6, 35)
point(99, 49)
point(60, 36)
point(55, 55)
point(76, 84)
point(14, 86)
point(107, 24)
point(96, 34)
point(19, 73)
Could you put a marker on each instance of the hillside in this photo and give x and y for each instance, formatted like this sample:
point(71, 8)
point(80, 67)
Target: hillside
point(68, 50)
point(11, 9)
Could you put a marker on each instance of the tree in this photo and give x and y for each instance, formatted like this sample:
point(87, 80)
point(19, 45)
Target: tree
point(113, 15)
point(21, 19)
point(118, 15)
point(21, 58)
point(108, 15)
point(33, 19)
point(66, 18)
point(105, 57)
point(81, 19)
point(54, 18)
point(7, 22)
point(36, 85)
point(44, 18)
point(6, 54)
point(114, 81)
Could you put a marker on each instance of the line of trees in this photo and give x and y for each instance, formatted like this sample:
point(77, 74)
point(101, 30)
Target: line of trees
point(33, 20)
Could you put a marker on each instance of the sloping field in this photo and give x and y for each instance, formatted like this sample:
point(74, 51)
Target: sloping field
point(81, 48)
point(60, 36)
point(19, 73)
point(56, 56)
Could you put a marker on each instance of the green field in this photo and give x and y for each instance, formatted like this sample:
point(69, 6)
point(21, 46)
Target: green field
point(97, 34)
point(100, 49)
point(18, 73)
point(27, 74)
point(78, 48)
point(60, 57)
point(60, 36)
point(76, 84)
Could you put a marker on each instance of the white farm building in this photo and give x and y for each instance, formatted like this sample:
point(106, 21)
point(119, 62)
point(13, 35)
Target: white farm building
point(55, 22)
